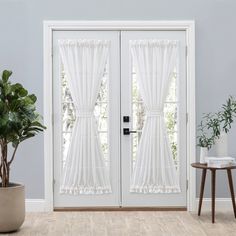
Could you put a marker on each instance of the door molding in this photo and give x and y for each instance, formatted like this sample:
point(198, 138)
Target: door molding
point(50, 26)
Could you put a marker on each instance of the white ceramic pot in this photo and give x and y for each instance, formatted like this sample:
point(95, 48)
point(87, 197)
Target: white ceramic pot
point(221, 145)
point(12, 207)
point(203, 154)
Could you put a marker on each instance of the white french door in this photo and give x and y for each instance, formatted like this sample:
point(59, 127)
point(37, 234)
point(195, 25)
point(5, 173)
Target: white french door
point(175, 119)
point(119, 106)
point(107, 113)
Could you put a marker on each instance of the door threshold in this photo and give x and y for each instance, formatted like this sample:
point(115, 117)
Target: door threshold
point(66, 209)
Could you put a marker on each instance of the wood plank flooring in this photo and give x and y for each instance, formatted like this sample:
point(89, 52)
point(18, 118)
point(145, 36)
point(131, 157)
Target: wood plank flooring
point(153, 223)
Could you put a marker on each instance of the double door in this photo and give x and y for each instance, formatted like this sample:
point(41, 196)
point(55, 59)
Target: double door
point(121, 114)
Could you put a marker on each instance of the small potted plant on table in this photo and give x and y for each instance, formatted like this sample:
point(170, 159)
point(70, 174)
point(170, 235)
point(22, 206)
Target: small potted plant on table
point(18, 121)
point(204, 142)
point(215, 126)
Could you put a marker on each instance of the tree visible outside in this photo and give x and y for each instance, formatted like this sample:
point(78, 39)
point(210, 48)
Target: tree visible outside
point(170, 112)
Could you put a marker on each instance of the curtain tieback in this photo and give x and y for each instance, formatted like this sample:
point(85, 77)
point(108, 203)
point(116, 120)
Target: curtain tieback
point(155, 113)
point(81, 113)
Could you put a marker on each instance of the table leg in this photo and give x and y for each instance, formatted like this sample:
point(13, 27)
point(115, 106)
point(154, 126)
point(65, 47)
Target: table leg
point(231, 186)
point(204, 171)
point(213, 187)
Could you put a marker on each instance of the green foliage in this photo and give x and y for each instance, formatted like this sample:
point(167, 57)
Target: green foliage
point(204, 140)
point(171, 121)
point(228, 114)
point(18, 117)
point(213, 123)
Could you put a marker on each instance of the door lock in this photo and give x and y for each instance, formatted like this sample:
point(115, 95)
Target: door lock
point(125, 119)
point(126, 131)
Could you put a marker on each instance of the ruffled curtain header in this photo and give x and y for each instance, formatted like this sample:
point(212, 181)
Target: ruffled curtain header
point(84, 42)
point(154, 42)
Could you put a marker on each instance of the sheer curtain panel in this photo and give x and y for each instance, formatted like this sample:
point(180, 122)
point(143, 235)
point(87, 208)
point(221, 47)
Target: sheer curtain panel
point(154, 170)
point(85, 171)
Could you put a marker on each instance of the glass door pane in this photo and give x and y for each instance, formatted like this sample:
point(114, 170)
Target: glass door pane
point(170, 114)
point(69, 116)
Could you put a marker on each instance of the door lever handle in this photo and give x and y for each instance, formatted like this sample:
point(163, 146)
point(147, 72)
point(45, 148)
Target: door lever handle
point(126, 131)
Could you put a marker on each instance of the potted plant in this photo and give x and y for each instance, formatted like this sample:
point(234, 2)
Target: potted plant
point(19, 121)
point(216, 125)
point(205, 141)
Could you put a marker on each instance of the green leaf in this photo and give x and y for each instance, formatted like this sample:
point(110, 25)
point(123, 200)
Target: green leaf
point(7, 89)
point(16, 87)
point(29, 135)
point(36, 123)
point(33, 98)
point(5, 75)
point(22, 92)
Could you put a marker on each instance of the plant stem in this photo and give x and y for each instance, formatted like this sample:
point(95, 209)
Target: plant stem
point(4, 167)
point(13, 155)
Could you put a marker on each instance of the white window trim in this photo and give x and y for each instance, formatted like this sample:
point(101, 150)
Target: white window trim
point(50, 26)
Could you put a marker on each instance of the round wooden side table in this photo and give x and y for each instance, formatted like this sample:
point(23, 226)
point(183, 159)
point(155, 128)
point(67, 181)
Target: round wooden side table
point(204, 168)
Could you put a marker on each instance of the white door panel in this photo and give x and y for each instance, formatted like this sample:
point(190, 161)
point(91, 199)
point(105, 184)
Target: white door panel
point(132, 107)
point(106, 110)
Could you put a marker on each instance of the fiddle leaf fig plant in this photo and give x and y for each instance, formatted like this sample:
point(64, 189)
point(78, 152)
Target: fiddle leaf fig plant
point(19, 121)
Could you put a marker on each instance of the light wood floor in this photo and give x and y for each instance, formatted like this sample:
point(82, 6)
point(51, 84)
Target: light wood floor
point(127, 223)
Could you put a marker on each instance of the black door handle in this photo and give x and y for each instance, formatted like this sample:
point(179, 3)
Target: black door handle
point(126, 131)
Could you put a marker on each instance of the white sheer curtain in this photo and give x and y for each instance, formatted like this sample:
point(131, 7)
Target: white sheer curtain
point(154, 170)
point(85, 171)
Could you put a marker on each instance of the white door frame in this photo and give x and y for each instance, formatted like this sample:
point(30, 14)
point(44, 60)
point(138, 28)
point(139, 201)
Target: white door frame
point(50, 26)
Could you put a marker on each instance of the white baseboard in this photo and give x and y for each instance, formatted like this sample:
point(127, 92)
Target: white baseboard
point(35, 205)
point(221, 204)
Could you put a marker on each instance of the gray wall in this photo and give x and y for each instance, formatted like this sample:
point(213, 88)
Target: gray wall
point(21, 50)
